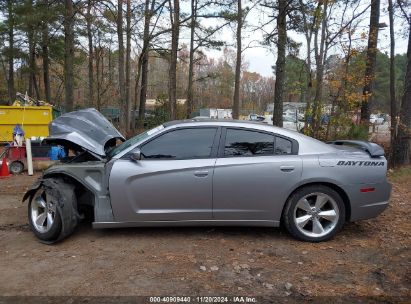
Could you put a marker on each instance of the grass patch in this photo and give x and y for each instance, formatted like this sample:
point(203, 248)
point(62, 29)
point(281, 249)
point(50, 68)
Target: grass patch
point(400, 174)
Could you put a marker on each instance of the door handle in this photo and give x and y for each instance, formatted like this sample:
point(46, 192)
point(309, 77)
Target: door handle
point(201, 173)
point(287, 168)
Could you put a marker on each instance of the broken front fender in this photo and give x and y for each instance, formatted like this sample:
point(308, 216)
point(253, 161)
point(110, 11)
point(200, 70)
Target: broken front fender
point(29, 193)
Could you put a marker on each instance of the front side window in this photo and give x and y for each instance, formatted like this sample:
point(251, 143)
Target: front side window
point(248, 143)
point(181, 144)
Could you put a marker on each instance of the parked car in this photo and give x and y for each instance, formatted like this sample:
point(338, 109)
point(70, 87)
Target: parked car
point(292, 124)
point(376, 119)
point(385, 117)
point(198, 172)
point(256, 117)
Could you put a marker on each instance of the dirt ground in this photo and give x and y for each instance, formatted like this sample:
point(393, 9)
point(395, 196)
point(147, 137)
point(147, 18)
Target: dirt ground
point(367, 258)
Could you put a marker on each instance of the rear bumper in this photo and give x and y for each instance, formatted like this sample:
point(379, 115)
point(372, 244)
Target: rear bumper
point(366, 205)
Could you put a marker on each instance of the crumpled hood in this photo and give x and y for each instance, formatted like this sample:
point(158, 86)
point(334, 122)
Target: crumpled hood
point(86, 128)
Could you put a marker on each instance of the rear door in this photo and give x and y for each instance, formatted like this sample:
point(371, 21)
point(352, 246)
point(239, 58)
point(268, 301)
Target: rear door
point(173, 180)
point(254, 174)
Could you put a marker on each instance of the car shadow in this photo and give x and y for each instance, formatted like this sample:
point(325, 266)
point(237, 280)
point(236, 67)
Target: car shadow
point(358, 230)
point(187, 231)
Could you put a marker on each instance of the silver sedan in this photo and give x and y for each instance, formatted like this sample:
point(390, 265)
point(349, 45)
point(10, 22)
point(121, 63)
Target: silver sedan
point(208, 173)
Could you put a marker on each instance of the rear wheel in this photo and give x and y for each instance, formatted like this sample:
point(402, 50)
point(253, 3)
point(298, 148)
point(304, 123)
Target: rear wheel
point(16, 167)
point(314, 213)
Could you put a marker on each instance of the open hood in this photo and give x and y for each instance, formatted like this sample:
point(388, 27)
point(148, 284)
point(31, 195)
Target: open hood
point(86, 128)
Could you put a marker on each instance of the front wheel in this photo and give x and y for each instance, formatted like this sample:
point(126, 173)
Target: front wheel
point(314, 213)
point(52, 210)
point(44, 216)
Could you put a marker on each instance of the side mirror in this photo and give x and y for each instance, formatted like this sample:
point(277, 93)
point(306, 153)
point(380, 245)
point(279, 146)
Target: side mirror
point(135, 155)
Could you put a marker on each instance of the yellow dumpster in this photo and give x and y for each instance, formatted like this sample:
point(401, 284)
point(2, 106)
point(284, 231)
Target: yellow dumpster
point(34, 121)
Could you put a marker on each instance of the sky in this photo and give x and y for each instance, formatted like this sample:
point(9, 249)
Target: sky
point(261, 59)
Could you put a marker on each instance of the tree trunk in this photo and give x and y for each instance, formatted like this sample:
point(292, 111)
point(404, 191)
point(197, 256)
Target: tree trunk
point(32, 50)
point(45, 55)
point(236, 99)
point(10, 21)
point(280, 63)
point(308, 29)
point(128, 65)
point(110, 65)
point(69, 55)
point(144, 63)
point(309, 81)
point(341, 102)
point(370, 62)
point(36, 87)
point(97, 52)
point(31, 61)
point(189, 102)
point(90, 101)
point(402, 141)
point(393, 102)
point(320, 58)
point(143, 90)
point(121, 80)
point(137, 89)
point(175, 32)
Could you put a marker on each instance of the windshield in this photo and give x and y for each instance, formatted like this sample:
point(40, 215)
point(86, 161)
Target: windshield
point(132, 141)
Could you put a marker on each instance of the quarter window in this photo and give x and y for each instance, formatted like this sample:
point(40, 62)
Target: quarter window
point(248, 143)
point(283, 146)
point(181, 144)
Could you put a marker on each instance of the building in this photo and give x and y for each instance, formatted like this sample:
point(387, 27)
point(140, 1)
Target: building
point(217, 113)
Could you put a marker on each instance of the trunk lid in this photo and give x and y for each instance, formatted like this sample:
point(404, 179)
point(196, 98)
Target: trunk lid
point(357, 162)
point(371, 148)
point(87, 128)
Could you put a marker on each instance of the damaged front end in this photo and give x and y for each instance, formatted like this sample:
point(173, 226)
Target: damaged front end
point(88, 136)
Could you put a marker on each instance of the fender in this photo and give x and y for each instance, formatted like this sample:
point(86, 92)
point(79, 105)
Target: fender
point(347, 199)
point(30, 192)
point(92, 176)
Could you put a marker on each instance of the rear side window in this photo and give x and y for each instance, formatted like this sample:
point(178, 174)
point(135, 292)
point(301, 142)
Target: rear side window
point(181, 144)
point(283, 146)
point(248, 143)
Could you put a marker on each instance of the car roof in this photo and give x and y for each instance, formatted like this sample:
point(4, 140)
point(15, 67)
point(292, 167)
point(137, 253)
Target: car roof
point(222, 121)
point(233, 123)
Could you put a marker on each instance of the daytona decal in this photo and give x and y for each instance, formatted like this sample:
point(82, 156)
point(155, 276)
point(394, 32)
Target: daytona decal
point(360, 163)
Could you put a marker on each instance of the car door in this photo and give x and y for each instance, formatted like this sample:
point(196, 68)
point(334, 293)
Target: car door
point(172, 181)
point(254, 174)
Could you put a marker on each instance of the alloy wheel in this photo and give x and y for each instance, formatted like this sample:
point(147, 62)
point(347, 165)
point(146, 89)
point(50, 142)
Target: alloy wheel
point(43, 212)
point(316, 214)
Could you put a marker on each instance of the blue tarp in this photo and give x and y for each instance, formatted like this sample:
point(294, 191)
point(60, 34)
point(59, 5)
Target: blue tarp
point(56, 153)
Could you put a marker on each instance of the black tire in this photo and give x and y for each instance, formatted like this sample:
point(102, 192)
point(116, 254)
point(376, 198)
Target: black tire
point(16, 167)
point(309, 192)
point(65, 211)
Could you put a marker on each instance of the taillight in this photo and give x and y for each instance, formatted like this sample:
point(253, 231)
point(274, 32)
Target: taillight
point(367, 189)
